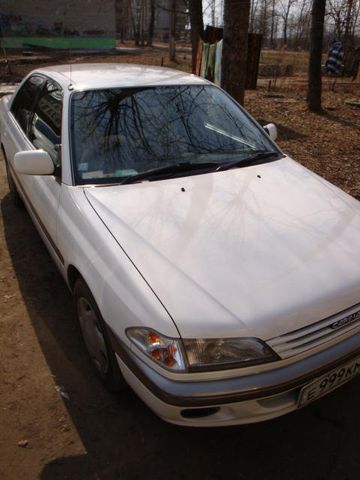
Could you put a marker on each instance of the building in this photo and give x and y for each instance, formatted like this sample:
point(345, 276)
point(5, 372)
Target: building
point(163, 20)
point(133, 18)
point(64, 24)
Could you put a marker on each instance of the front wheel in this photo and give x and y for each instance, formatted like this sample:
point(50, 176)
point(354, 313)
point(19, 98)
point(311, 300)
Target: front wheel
point(96, 338)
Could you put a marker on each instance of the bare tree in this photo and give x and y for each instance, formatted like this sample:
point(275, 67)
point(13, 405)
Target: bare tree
point(344, 14)
point(301, 25)
point(253, 13)
point(285, 9)
point(342, 19)
point(197, 27)
point(273, 16)
point(264, 19)
point(123, 18)
point(335, 9)
point(236, 25)
point(355, 18)
point(142, 17)
point(135, 21)
point(316, 43)
point(172, 36)
point(150, 36)
point(294, 18)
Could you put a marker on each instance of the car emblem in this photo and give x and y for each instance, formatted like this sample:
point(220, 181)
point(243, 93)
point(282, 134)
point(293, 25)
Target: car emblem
point(346, 320)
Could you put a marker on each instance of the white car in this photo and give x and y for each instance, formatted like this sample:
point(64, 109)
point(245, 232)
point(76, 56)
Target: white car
point(211, 273)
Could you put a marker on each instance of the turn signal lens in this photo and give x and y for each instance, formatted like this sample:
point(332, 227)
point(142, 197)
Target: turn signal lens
point(163, 350)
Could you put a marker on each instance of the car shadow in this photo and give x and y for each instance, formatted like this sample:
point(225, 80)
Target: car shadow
point(284, 132)
point(125, 440)
point(334, 118)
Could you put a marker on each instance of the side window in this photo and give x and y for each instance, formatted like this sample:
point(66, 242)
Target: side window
point(45, 127)
point(24, 100)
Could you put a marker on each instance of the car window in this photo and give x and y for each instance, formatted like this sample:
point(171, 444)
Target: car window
point(45, 126)
point(122, 132)
point(24, 100)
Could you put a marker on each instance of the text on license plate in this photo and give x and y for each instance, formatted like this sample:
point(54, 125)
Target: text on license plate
point(329, 382)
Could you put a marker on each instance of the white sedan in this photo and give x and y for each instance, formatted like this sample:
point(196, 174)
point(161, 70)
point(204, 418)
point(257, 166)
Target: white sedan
point(210, 272)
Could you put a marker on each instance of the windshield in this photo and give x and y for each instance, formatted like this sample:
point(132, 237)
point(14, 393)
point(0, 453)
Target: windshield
point(119, 133)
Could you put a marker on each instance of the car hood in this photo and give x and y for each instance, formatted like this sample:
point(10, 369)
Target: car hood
point(257, 251)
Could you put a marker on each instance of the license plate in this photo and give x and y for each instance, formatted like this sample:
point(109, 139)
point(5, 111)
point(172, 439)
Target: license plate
point(329, 382)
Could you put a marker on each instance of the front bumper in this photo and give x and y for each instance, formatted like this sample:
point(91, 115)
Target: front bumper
point(233, 401)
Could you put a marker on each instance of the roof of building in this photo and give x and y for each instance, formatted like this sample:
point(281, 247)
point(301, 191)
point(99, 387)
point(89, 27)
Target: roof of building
point(104, 75)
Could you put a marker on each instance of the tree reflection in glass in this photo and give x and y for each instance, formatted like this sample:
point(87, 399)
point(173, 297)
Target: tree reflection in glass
point(119, 132)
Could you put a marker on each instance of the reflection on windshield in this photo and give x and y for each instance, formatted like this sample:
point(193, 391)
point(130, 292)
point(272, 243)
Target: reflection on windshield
point(117, 133)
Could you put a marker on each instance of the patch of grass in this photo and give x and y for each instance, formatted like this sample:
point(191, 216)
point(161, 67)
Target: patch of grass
point(298, 59)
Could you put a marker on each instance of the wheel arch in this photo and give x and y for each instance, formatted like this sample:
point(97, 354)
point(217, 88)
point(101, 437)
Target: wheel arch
point(3, 151)
point(73, 274)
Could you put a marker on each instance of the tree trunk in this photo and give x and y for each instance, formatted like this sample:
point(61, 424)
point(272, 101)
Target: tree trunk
point(316, 43)
point(348, 19)
point(151, 24)
point(213, 20)
point(272, 24)
point(172, 44)
point(252, 16)
point(135, 24)
point(197, 27)
point(119, 18)
point(264, 19)
point(348, 24)
point(285, 27)
point(236, 25)
point(142, 22)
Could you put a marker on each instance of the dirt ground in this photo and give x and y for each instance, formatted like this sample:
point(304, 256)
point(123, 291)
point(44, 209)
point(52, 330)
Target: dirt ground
point(58, 422)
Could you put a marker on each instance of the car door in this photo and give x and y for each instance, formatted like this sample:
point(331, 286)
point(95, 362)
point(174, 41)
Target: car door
point(37, 125)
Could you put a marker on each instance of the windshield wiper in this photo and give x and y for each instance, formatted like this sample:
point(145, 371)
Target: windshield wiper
point(257, 157)
point(189, 167)
point(169, 171)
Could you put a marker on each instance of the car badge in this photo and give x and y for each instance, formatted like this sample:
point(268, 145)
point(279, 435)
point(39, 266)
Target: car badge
point(346, 320)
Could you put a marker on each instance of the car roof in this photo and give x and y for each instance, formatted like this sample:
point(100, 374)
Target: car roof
point(86, 76)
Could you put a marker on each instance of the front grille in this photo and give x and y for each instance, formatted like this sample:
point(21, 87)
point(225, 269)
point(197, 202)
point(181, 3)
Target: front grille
point(309, 337)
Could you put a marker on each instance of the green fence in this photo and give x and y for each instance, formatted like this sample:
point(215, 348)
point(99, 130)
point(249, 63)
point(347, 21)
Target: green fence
point(58, 42)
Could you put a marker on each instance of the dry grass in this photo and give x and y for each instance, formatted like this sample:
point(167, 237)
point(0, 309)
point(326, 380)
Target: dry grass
point(284, 57)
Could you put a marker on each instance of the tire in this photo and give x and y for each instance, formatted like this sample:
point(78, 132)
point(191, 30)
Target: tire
point(96, 338)
point(16, 198)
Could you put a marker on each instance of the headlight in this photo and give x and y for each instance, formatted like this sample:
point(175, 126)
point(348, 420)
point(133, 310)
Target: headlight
point(163, 350)
point(225, 353)
point(200, 355)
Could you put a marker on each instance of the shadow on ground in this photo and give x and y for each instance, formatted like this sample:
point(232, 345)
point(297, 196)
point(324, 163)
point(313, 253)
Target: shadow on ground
point(284, 133)
point(124, 440)
point(333, 117)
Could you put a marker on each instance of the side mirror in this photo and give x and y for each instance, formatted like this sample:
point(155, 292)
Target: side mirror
point(271, 130)
point(34, 162)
